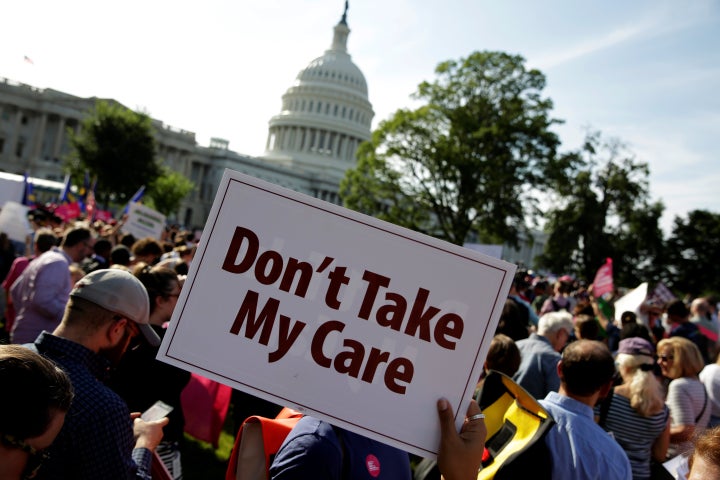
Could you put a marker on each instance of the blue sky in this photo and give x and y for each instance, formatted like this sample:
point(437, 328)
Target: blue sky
point(646, 72)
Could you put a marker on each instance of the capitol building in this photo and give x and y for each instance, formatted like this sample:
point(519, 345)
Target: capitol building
point(311, 142)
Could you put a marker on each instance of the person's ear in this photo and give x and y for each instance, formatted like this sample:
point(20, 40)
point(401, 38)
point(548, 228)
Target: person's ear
point(605, 389)
point(116, 330)
point(559, 370)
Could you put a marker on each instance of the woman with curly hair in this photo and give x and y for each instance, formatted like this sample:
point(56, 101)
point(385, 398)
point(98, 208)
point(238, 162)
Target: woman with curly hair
point(635, 411)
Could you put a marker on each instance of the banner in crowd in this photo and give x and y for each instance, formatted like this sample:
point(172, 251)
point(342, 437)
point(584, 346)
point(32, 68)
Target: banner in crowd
point(631, 301)
point(603, 282)
point(143, 221)
point(336, 314)
point(14, 221)
point(68, 211)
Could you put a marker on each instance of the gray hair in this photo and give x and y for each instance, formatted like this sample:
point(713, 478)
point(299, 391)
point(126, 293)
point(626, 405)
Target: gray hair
point(553, 321)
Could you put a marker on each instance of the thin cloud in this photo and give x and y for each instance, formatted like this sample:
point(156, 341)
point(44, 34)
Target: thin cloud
point(609, 40)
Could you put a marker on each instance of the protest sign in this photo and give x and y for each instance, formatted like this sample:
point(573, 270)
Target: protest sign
point(144, 222)
point(353, 320)
point(603, 282)
point(14, 222)
point(631, 301)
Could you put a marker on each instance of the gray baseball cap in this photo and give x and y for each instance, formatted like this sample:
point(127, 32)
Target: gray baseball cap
point(120, 292)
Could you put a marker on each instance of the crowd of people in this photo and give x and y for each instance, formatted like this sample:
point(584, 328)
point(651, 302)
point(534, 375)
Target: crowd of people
point(96, 303)
point(90, 305)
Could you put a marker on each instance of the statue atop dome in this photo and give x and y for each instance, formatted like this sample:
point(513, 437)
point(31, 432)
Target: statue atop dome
point(343, 20)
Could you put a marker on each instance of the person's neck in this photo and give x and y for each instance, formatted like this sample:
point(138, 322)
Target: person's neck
point(589, 400)
point(74, 335)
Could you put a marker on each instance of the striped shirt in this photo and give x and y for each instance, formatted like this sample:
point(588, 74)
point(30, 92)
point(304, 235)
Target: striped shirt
point(687, 398)
point(635, 433)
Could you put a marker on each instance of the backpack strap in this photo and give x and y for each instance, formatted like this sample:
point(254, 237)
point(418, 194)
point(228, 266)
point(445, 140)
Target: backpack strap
point(704, 406)
point(605, 408)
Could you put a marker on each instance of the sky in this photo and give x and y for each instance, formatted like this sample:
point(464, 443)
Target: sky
point(646, 72)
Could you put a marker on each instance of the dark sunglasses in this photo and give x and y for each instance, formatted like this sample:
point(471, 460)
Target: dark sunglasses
point(666, 358)
point(36, 457)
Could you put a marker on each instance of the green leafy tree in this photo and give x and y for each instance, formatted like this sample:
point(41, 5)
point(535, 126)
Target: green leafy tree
point(465, 161)
point(167, 191)
point(116, 146)
point(604, 211)
point(693, 251)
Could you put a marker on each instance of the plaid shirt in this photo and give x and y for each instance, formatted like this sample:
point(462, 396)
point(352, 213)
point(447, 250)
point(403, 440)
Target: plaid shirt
point(96, 441)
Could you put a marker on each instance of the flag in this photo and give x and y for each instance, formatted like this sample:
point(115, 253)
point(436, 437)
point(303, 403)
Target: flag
point(135, 198)
point(205, 404)
point(28, 60)
point(603, 282)
point(90, 205)
point(28, 195)
point(66, 193)
point(82, 194)
point(660, 295)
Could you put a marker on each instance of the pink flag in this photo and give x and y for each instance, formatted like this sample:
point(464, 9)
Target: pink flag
point(90, 205)
point(603, 279)
point(68, 211)
point(205, 404)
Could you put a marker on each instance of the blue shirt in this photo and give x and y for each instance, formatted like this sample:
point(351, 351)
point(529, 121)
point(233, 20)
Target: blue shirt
point(538, 366)
point(97, 440)
point(313, 450)
point(579, 447)
point(532, 316)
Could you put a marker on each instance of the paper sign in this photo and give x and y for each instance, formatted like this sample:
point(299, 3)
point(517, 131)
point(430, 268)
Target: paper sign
point(350, 319)
point(14, 222)
point(631, 301)
point(144, 222)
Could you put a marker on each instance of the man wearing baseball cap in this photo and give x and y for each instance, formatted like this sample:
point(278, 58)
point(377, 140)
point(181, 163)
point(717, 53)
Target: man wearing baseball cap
point(100, 438)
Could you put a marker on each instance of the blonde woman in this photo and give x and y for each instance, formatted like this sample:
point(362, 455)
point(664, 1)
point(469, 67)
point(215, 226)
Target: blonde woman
point(680, 361)
point(635, 411)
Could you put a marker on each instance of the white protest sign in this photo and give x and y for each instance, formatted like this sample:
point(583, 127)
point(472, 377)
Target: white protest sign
point(144, 222)
point(14, 222)
point(631, 301)
point(356, 321)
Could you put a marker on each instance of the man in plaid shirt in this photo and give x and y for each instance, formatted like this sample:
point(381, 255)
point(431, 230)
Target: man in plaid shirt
point(100, 438)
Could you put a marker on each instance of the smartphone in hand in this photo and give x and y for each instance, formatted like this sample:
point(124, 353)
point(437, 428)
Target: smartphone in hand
point(156, 412)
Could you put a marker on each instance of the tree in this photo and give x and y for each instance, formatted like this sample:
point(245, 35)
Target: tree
point(694, 253)
point(116, 146)
point(167, 191)
point(604, 211)
point(465, 161)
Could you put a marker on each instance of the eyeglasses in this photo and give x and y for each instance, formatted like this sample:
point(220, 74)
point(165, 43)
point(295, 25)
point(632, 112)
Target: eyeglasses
point(666, 358)
point(36, 457)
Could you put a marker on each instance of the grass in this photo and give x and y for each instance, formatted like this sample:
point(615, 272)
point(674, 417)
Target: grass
point(200, 461)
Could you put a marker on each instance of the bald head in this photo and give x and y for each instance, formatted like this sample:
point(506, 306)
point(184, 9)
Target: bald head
point(586, 367)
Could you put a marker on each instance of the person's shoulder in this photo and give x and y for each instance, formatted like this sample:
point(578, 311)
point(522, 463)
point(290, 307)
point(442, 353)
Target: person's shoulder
point(710, 371)
point(310, 433)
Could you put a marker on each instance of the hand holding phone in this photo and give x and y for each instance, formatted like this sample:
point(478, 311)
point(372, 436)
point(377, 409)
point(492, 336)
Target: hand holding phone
point(156, 412)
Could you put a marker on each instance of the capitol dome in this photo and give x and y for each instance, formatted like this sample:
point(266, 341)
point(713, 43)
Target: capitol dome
point(325, 114)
